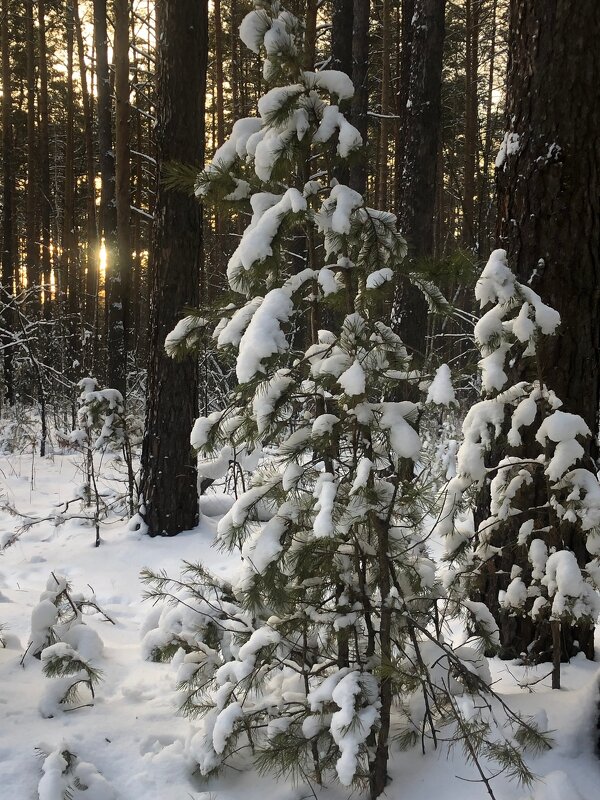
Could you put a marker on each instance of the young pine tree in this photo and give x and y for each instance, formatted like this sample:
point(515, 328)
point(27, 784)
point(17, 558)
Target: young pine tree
point(329, 624)
point(520, 446)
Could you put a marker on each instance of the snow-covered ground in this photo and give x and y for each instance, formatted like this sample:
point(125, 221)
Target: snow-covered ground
point(133, 735)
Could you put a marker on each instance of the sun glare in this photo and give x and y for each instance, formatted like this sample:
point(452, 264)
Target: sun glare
point(102, 259)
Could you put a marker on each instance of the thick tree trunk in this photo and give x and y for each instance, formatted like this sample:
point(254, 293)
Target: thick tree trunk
point(549, 188)
point(422, 133)
point(168, 466)
point(549, 222)
point(360, 78)
point(341, 35)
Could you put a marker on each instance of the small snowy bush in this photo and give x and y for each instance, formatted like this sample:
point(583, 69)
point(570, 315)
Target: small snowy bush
point(67, 647)
point(66, 777)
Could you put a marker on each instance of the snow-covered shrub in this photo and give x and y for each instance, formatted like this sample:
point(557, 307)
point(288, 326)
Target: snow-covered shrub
point(66, 777)
point(324, 631)
point(101, 421)
point(527, 451)
point(67, 647)
point(99, 416)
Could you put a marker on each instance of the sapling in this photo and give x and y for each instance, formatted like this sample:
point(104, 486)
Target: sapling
point(314, 657)
point(67, 648)
point(520, 445)
point(101, 422)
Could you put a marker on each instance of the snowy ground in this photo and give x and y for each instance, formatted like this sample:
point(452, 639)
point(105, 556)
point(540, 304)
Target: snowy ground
point(133, 735)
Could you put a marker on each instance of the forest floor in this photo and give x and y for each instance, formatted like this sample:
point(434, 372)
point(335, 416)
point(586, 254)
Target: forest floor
point(133, 733)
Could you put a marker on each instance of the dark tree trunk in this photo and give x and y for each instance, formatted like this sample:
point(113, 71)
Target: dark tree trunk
point(549, 222)
point(118, 311)
point(32, 250)
point(69, 282)
point(310, 34)
point(360, 78)
point(381, 193)
point(91, 278)
point(44, 156)
point(408, 10)
point(108, 209)
point(341, 58)
point(8, 193)
point(472, 9)
point(422, 134)
point(341, 36)
point(168, 466)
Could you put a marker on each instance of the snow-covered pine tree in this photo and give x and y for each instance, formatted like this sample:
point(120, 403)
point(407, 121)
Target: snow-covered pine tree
point(545, 504)
point(101, 421)
point(331, 622)
point(68, 648)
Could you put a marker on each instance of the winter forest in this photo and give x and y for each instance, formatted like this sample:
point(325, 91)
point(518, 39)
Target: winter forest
point(299, 400)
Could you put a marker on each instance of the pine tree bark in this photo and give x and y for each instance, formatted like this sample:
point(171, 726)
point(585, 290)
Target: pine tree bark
point(91, 278)
point(422, 134)
point(44, 156)
point(408, 10)
point(107, 216)
point(118, 310)
point(472, 9)
point(341, 36)
point(69, 278)
point(168, 466)
point(341, 57)
point(549, 222)
point(385, 107)
point(360, 78)
point(32, 250)
point(310, 35)
point(8, 193)
point(219, 73)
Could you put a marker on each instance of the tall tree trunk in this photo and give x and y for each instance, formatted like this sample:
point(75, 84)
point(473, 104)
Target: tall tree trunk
point(44, 156)
point(68, 259)
point(472, 8)
point(341, 36)
point(310, 34)
point(385, 107)
point(108, 209)
point(549, 222)
point(219, 73)
point(485, 204)
point(118, 310)
point(341, 56)
point(92, 256)
point(360, 78)
point(408, 10)
point(422, 134)
point(32, 250)
point(168, 467)
point(8, 194)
